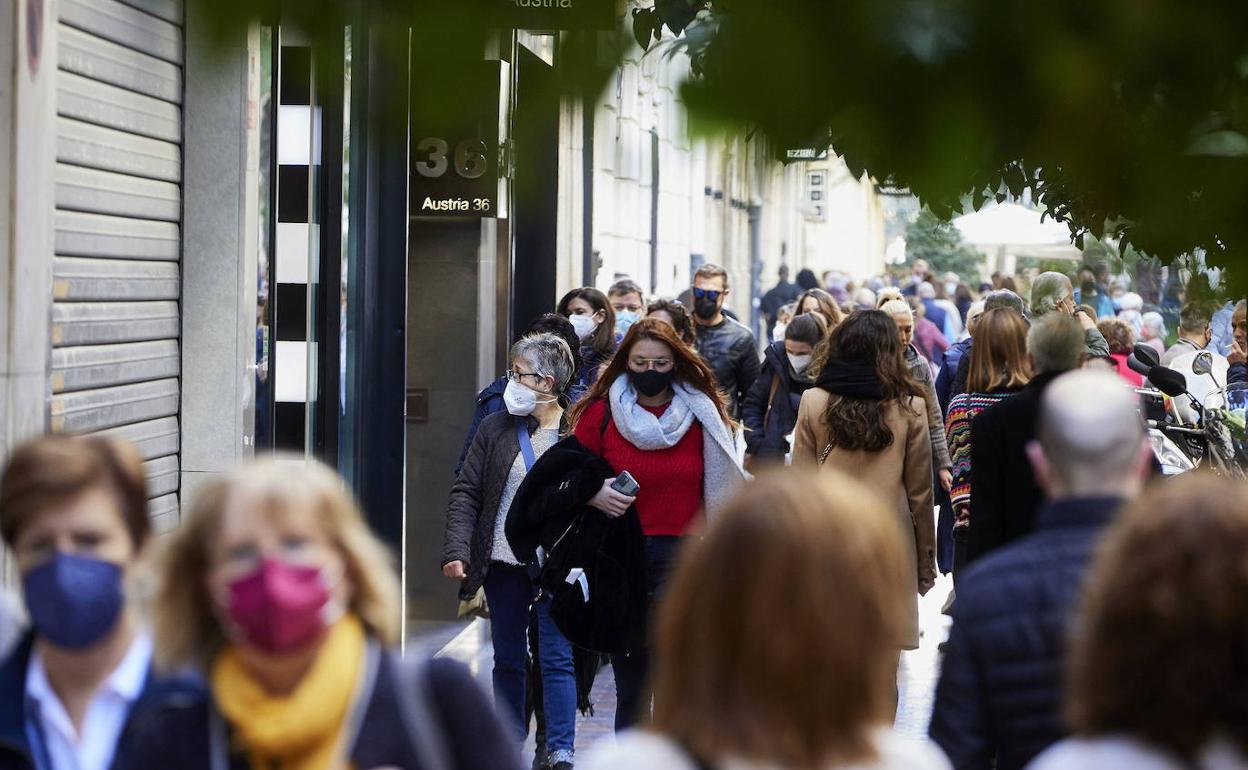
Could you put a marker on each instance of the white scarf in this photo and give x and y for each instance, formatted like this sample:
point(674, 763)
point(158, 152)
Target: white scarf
point(722, 473)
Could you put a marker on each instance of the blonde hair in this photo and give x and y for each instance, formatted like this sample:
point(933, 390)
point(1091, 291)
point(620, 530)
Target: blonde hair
point(726, 683)
point(186, 628)
point(887, 294)
point(897, 307)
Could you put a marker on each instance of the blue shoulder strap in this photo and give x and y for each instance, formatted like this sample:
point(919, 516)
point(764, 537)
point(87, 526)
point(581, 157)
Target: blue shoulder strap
point(526, 443)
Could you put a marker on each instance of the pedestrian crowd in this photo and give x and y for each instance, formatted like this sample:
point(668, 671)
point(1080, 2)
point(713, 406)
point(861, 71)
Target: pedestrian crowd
point(742, 532)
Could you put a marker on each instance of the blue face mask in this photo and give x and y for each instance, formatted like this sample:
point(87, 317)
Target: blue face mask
point(624, 320)
point(74, 601)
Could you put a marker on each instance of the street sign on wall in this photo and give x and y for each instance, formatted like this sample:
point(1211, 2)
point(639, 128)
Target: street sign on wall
point(455, 147)
point(556, 14)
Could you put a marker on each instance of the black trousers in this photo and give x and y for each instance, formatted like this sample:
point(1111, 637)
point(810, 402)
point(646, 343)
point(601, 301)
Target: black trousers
point(633, 694)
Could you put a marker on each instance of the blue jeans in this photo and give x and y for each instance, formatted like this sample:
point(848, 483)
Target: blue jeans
point(510, 595)
point(632, 690)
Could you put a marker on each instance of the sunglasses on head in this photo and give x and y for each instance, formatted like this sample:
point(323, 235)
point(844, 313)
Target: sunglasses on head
point(706, 294)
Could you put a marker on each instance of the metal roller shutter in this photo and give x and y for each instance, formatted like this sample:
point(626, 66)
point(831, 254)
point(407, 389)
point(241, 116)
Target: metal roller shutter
point(117, 267)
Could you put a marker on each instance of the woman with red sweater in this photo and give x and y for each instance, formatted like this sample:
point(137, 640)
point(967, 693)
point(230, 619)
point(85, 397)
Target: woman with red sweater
point(656, 413)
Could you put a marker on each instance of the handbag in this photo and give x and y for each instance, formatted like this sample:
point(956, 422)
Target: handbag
point(476, 607)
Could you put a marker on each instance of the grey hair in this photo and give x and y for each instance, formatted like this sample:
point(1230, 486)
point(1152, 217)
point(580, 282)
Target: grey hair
point(1091, 431)
point(926, 290)
point(549, 355)
point(1154, 322)
point(1046, 291)
point(1055, 343)
point(1003, 298)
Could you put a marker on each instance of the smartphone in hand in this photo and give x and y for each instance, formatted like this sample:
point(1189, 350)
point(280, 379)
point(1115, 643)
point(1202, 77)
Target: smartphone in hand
point(625, 484)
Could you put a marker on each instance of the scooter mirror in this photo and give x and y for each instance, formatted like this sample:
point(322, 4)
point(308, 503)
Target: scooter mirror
point(1146, 354)
point(1168, 381)
point(1138, 366)
point(1203, 363)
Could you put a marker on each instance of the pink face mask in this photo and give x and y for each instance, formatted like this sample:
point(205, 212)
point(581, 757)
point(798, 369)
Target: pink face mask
point(280, 607)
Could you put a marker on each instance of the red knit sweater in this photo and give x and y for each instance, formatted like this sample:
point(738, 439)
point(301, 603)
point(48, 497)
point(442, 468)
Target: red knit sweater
point(670, 479)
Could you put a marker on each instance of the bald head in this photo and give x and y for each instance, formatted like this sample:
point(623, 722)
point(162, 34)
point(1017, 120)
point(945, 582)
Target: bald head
point(1091, 437)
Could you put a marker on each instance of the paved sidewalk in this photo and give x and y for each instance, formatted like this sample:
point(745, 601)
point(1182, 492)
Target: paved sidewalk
point(917, 675)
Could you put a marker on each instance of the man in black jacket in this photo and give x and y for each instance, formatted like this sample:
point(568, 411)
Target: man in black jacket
point(1005, 495)
point(725, 345)
point(999, 694)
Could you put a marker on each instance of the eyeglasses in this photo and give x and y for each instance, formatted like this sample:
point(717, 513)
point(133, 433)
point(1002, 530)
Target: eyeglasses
point(642, 364)
point(710, 294)
point(1240, 326)
point(516, 375)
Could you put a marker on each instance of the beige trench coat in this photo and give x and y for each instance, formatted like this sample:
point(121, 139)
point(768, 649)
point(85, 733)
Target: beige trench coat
point(901, 473)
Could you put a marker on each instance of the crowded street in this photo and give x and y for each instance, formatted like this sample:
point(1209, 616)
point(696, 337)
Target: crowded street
point(623, 385)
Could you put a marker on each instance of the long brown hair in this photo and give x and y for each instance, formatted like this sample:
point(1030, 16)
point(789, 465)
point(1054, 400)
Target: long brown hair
point(604, 337)
point(827, 305)
point(999, 355)
point(726, 683)
point(689, 368)
point(1160, 651)
point(866, 337)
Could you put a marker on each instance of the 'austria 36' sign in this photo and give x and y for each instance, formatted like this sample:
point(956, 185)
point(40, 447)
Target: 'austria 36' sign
point(455, 147)
point(556, 14)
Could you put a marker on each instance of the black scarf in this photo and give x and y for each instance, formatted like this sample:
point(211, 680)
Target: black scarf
point(853, 379)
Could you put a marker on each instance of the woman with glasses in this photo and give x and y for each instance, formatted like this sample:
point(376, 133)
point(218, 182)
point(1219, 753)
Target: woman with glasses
point(655, 412)
point(476, 551)
point(279, 612)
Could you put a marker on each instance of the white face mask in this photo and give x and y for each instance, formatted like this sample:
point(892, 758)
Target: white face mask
point(951, 289)
point(777, 331)
point(521, 401)
point(800, 363)
point(584, 325)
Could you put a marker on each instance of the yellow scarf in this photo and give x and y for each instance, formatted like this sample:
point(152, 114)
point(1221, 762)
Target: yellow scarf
point(302, 730)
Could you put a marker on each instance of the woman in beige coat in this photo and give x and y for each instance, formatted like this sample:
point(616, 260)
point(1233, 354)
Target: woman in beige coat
point(867, 417)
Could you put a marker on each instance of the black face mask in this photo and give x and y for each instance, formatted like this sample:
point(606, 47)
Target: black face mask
point(651, 383)
point(1088, 287)
point(706, 308)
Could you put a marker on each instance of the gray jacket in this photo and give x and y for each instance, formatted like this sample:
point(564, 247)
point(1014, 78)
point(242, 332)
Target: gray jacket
point(935, 422)
point(475, 497)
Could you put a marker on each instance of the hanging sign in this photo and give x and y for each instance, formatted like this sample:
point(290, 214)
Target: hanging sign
point(556, 14)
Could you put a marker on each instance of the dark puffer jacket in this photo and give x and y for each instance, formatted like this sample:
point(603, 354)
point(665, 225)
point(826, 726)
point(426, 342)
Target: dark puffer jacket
point(728, 348)
point(473, 510)
point(999, 693)
point(489, 401)
point(770, 440)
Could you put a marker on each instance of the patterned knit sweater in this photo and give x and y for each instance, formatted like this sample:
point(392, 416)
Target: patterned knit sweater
point(962, 409)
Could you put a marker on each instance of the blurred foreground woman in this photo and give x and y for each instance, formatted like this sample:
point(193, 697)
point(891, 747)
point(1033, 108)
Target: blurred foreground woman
point(777, 640)
point(73, 511)
point(1158, 671)
point(275, 590)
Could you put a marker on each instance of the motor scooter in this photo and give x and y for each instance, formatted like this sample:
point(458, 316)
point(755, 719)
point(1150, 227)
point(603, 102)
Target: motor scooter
point(1201, 424)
